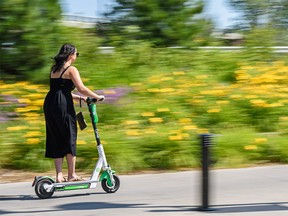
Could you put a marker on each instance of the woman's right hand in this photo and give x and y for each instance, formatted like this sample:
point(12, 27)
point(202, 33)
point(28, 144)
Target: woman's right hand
point(101, 98)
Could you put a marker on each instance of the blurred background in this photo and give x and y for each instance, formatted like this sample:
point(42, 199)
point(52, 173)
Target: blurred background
point(170, 70)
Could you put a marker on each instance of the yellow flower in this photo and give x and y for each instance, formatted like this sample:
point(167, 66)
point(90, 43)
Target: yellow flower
point(201, 76)
point(33, 134)
point(163, 110)
point(136, 84)
point(44, 90)
point(197, 101)
point(202, 131)
point(283, 118)
point(153, 90)
point(216, 92)
point(33, 108)
point(275, 105)
point(16, 128)
point(24, 100)
point(215, 110)
point(179, 73)
point(131, 122)
point(250, 147)
point(235, 96)
point(150, 131)
point(177, 137)
point(223, 102)
point(174, 131)
point(22, 84)
point(35, 95)
point(4, 86)
point(21, 110)
point(185, 120)
point(32, 87)
point(36, 122)
point(279, 63)
point(38, 102)
point(147, 114)
point(31, 115)
point(260, 140)
point(189, 127)
point(166, 78)
point(133, 133)
point(33, 141)
point(251, 96)
point(167, 90)
point(81, 142)
point(185, 135)
point(258, 103)
point(11, 92)
point(155, 120)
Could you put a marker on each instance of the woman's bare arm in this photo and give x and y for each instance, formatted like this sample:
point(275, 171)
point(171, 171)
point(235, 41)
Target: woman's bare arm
point(76, 79)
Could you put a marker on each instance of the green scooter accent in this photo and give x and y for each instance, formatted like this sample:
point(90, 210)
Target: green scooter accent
point(75, 187)
point(106, 175)
point(94, 112)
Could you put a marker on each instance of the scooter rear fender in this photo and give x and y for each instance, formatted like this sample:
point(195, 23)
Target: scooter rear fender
point(38, 178)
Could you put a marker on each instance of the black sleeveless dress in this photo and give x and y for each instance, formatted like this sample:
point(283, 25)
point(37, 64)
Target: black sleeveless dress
point(60, 117)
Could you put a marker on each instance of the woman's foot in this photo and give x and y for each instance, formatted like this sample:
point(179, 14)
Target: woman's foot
point(76, 178)
point(60, 180)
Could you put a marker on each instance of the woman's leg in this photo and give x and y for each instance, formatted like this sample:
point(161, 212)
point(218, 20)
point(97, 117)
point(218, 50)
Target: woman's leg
point(58, 165)
point(71, 161)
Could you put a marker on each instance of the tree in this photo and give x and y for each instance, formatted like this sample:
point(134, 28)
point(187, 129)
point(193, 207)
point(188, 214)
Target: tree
point(265, 19)
point(163, 22)
point(25, 30)
point(258, 13)
point(252, 12)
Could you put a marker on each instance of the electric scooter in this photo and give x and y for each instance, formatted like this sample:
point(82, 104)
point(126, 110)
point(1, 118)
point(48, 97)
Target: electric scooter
point(45, 186)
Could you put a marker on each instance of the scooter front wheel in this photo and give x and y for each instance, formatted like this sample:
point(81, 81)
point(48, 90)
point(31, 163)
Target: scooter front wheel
point(109, 189)
point(40, 188)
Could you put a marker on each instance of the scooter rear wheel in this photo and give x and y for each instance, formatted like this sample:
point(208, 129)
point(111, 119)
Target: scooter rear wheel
point(112, 189)
point(40, 188)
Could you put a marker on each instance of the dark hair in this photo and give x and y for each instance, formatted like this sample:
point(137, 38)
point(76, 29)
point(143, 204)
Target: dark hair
point(62, 56)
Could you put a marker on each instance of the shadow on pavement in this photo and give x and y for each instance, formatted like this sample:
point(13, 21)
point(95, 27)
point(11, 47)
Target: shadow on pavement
point(79, 206)
point(15, 197)
point(30, 197)
point(231, 208)
point(98, 205)
point(251, 207)
point(90, 206)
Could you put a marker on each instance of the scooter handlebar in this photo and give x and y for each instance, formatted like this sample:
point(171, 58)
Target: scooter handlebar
point(94, 100)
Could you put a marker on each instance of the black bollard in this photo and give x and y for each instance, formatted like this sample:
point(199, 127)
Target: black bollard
point(205, 145)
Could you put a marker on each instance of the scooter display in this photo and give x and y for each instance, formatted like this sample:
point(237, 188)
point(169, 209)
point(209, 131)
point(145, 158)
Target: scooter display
point(45, 186)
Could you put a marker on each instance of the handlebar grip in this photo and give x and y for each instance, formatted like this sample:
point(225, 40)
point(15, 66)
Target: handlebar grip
point(102, 99)
point(93, 100)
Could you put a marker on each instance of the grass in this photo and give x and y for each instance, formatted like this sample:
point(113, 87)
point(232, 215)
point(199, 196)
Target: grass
point(158, 102)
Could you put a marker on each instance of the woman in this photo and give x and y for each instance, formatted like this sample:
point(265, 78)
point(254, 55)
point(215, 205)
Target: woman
point(60, 116)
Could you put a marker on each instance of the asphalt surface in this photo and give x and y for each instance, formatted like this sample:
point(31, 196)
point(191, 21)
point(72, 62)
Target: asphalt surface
point(247, 191)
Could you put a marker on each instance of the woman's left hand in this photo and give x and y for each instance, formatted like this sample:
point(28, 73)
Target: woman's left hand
point(83, 98)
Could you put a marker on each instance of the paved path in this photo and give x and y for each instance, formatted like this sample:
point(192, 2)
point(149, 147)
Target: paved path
point(250, 191)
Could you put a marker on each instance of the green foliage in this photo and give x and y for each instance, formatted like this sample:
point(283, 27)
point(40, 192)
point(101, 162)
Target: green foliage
point(26, 27)
point(172, 95)
point(162, 23)
point(244, 147)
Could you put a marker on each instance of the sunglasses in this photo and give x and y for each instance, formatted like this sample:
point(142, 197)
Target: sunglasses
point(77, 54)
